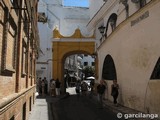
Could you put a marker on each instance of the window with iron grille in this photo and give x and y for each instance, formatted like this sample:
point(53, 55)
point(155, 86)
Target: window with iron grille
point(24, 59)
point(31, 70)
point(15, 5)
point(8, 44)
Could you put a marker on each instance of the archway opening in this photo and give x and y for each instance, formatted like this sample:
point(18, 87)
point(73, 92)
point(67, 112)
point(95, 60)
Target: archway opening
point(78, 67)
point(64, 46)
point(109, 71)
point(111, 23)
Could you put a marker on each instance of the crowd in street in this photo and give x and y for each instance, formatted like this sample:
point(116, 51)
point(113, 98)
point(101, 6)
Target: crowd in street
point(42, 86)
point(54, 87)
point(81, 88)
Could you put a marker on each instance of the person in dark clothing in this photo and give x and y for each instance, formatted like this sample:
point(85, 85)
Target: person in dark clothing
point(78, 88)
point(40, 86)
point(46, 86)
point(100, 90)
point(43, 88)
point(58, 84)
point(92, 85)
point(84, 88)
point(114, 91)
point(92, 88)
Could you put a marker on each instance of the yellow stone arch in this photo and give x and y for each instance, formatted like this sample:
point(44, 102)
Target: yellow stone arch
point(69, 45)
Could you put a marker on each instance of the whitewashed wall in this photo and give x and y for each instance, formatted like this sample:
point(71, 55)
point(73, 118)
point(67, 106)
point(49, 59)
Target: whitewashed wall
point(66, 20)
point(135, 51)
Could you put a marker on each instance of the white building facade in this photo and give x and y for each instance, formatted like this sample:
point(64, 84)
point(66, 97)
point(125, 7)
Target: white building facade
point(128, 50)
point(66, 20)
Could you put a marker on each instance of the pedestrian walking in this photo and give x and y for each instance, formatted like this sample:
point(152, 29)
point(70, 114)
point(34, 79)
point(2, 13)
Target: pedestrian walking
point(104, 94)
point(40, 86)
point(114, 91)
point(84, 88)
point(46, 86)
point(58, 84)
point(52, 87)
point(78, 88)
point(100, 90)
point(43, 87)
point(92, 88)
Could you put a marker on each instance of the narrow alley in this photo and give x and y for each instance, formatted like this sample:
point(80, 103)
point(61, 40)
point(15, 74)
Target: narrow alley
point(71, 107)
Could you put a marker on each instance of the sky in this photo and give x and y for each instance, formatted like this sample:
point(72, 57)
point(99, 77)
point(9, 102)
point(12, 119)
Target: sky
point(76, 3)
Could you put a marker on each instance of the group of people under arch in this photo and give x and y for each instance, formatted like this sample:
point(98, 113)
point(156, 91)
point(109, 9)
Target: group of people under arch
point(81, 87)
point(54, 87)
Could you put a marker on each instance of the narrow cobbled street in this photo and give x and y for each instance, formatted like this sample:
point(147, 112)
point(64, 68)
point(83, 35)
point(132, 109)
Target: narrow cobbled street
point(70, 107)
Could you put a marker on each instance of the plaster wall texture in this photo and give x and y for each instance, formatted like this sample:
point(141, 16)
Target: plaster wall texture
point(105, 11)
point(94, 6)
point(66, 19)
point(135, 51)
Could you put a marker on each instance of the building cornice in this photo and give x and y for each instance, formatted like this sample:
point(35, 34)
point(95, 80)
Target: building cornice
point(8, 101)
point(138, 14)
point(106, 7)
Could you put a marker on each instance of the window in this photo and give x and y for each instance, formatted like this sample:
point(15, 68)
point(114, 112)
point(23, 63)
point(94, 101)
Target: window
point(112, 21)
point(9, 44)
point(30, 103)
point(25, 24)
point(15, 5)
point(24, 58)
point(24, 112)
point(85, 63)
point(109, 71)
point(1, 29)
point(31, 65)
point(93, 63)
